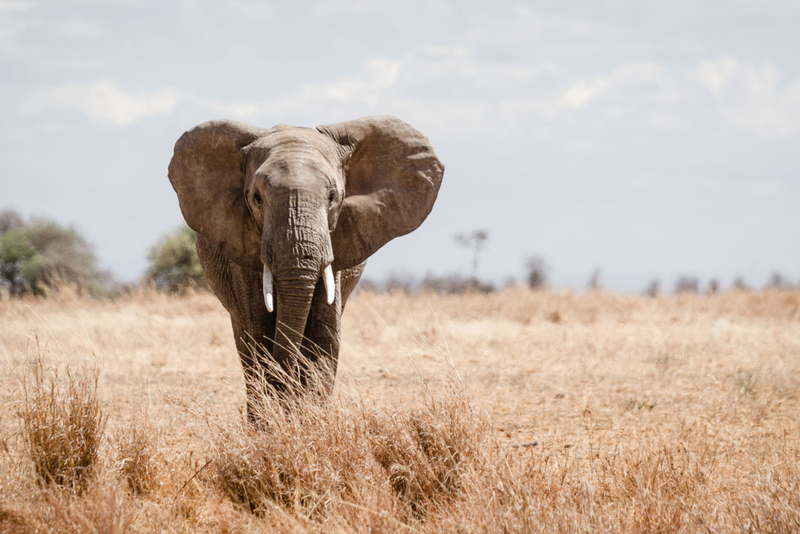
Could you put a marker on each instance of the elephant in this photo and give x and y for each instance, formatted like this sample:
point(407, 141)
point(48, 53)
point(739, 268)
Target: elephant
point(286, 218)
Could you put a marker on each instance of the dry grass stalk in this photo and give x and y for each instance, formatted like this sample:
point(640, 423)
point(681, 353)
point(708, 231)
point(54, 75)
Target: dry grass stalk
point(137, 449)
point(426, 452)
point(63, 426)
point(102, 509)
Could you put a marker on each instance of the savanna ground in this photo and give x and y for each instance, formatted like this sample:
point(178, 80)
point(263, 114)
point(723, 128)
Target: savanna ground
point(516, 411)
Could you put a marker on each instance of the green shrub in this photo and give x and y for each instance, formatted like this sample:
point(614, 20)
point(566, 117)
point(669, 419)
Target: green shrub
point(174, 265)
point(41, 255)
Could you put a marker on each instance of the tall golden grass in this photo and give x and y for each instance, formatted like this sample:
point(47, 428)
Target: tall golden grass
point(517, 411)
point(62, 427)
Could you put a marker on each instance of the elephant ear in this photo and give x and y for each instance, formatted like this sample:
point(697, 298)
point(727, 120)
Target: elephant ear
point(392, 177)
point(207, 173)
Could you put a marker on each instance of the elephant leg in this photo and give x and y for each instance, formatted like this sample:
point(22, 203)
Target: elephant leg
point(249, 356)
point(239, 291)
point(254, 332)
point(322, 335)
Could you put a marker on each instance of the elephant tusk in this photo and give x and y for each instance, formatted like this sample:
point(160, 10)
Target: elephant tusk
point(268, 289)
point(330, 285)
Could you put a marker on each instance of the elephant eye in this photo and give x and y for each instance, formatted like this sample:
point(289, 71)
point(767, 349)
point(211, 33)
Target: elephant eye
point(257, 198)
point(331, 196)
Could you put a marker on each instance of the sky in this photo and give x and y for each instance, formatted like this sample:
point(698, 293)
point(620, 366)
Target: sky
point(649, 140)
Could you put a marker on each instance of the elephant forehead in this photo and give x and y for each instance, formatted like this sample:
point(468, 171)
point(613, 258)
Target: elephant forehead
point(291, 144)
point(294, 159)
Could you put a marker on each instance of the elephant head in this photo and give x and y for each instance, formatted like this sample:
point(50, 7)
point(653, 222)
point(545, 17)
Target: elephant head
point(299, 204)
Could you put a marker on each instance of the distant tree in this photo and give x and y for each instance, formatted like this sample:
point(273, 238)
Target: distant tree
point(174, 265)
point(10, 220)
point(537, 272)
point(596, 280)
point(713, 287)
point(741, 284)
point(474, 240)
point(687, 284)
point(42, 255)
point(653, 288)
point(779, 282)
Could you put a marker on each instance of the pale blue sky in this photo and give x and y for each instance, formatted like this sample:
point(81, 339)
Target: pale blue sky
point(650, 139)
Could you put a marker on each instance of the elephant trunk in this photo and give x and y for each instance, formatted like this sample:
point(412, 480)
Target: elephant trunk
point(295, 292)
point(296, 252)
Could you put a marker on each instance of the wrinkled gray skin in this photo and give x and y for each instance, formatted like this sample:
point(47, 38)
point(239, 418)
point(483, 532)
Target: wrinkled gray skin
point(297, 200)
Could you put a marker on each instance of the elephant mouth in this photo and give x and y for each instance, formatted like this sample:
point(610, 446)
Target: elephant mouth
point(327, 280)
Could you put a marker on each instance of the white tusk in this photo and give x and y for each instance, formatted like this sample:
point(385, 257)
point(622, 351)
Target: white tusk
point(268, 289)
point(330, 285)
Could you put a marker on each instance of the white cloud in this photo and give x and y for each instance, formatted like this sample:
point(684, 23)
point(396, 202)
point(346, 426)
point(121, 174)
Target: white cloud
point(744, 96)
point(327, 8)
point(715, 75)
point(106, 102)
point(768, 7)
point(364, 90)
point(252, 9)
point(377, 75)
point(387, 10)
point(766, 188)
point(524, 32)
point(620, 83)
point(10, 24)
point(12, 5)
point(81, 30)
point(582, 92)
point(103, 101)
point(416, 19)
point(444, 88)
point(457, 73)
point(751, 97)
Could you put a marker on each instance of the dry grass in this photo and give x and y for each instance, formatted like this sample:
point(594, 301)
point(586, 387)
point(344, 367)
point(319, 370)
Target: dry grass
point(62, 425)
point(517, 411)
point(316, 459)
point(137, 456)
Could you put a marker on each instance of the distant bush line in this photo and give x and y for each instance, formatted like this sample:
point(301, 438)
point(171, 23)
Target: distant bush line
point(38, 256)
